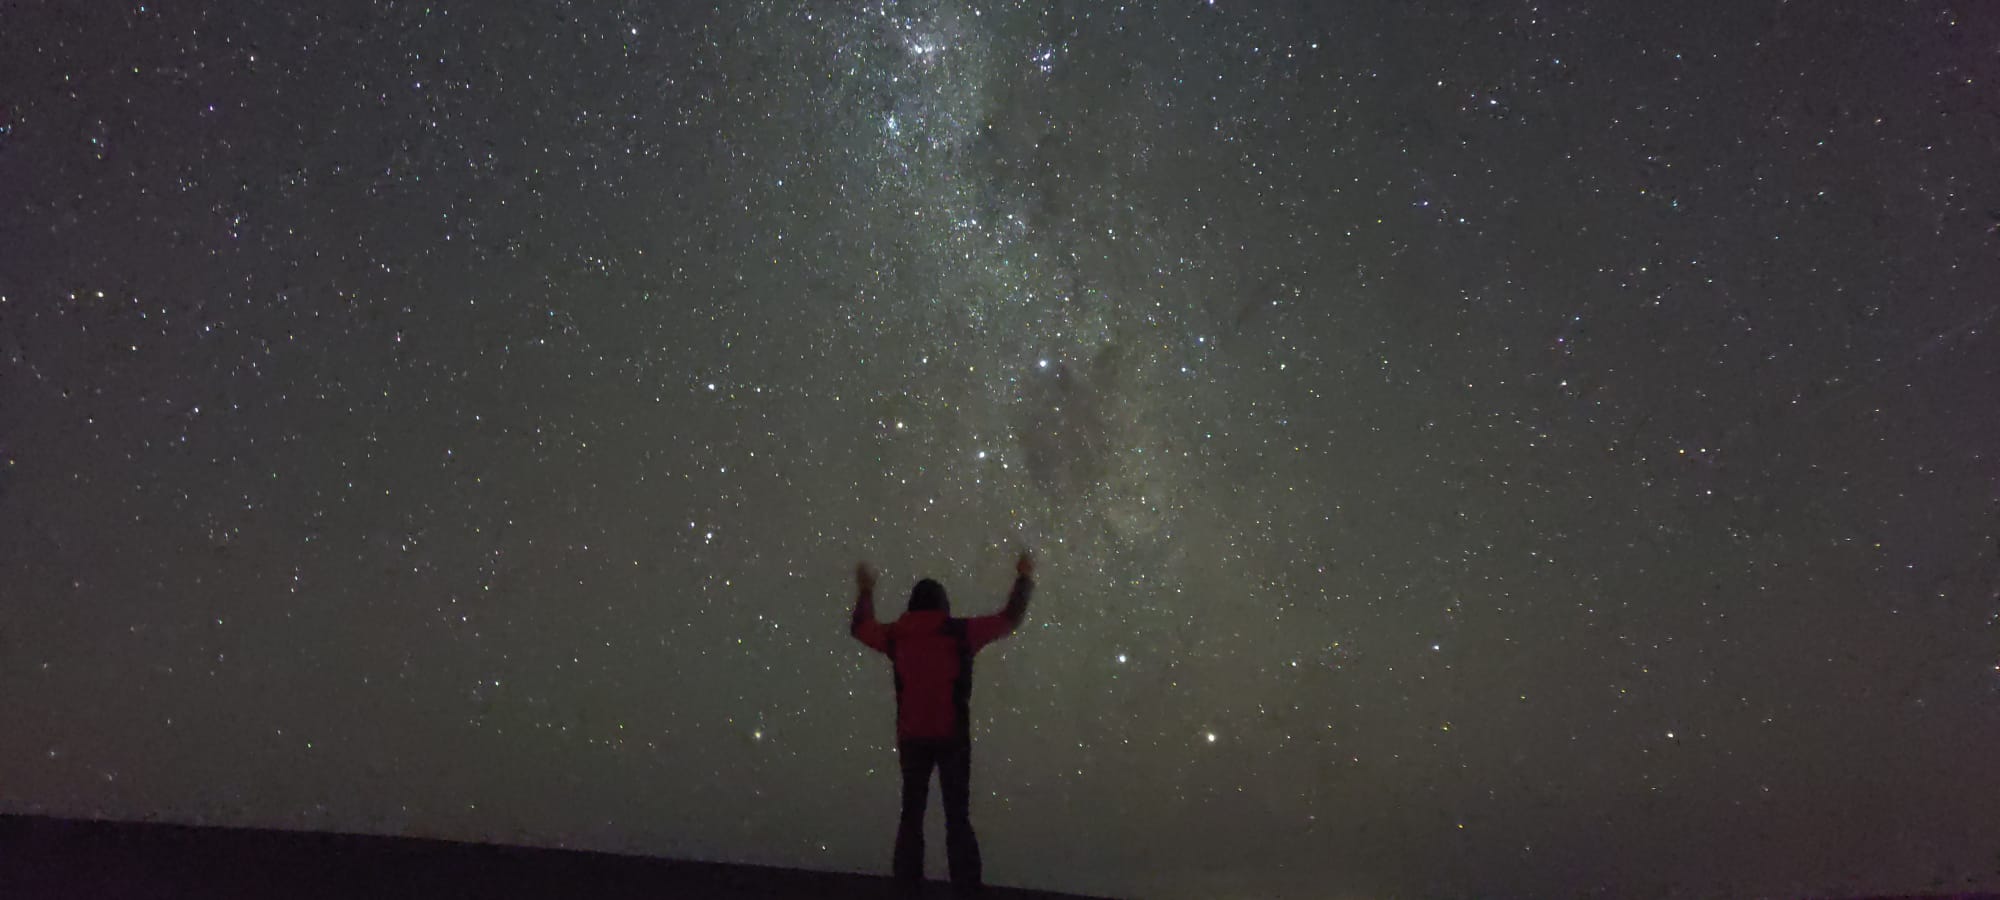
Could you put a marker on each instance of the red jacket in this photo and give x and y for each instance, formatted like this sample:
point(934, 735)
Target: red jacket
point(933, 654)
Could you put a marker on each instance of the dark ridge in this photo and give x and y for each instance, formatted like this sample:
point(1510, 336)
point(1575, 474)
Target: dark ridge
point(51, 857)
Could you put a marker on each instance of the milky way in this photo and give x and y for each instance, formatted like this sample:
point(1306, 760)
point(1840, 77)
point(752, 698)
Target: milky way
point(1470, 448)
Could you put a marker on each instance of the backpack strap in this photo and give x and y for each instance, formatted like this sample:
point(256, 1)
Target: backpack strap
point(961, 688)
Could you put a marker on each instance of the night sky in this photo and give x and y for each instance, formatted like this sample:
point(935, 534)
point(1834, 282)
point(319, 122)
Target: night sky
point(1483, 448)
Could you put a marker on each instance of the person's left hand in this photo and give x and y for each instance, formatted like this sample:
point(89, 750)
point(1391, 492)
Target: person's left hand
point(864, 576)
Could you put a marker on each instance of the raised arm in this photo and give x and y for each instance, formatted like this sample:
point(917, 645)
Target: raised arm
point(863, 625)
point(1024, 584)
point(987, 629)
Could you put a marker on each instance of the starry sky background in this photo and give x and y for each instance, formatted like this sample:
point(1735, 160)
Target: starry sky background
point(1471, 448)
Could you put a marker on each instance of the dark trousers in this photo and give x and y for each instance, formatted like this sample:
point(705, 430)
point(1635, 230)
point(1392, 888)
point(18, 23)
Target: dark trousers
point(953, 760)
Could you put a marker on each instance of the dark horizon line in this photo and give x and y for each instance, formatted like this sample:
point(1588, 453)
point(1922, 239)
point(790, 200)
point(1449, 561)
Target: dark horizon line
point(56, 856)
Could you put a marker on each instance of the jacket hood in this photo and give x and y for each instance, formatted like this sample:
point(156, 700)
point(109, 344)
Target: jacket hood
point(924, 620)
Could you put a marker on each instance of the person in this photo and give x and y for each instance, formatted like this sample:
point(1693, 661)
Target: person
point(932, 656)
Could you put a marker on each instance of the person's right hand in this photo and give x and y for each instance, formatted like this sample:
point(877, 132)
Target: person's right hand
point(864, 576)
point(1025, 566)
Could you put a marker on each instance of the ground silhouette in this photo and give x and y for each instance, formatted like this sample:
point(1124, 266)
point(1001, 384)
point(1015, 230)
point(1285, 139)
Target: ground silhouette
point(51, 857)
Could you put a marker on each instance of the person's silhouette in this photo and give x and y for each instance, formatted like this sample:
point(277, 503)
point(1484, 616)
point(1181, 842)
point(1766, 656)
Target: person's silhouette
point(932, 653)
